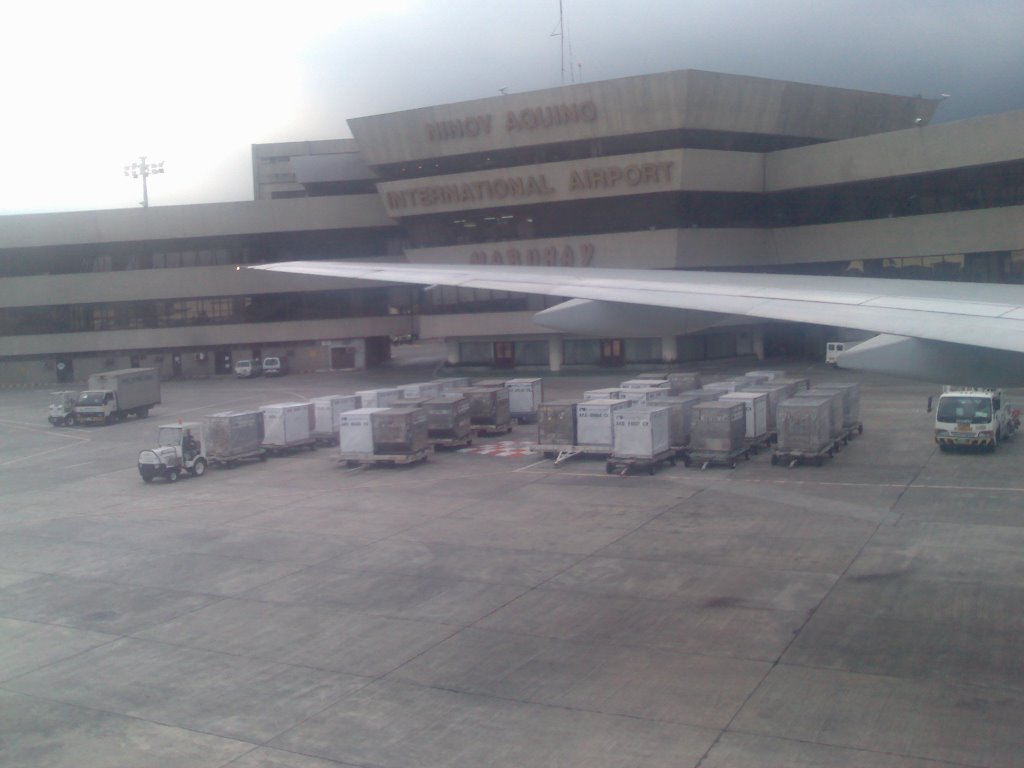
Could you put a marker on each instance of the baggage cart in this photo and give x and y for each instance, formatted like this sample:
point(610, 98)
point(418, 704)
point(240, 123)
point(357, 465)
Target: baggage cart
point(355, 459)
point(625, 465)
point(705, 458)
point(233, 436)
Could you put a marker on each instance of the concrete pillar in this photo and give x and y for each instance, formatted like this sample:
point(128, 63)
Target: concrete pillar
point(452, 345)
point(758, 338)
point(555, 354)
point(669, 349)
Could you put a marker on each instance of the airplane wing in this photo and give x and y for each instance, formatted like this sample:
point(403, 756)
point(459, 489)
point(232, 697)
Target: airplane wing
point(940, 315)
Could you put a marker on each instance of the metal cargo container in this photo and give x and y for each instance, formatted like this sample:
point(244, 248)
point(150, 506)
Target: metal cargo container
point(452, 382)
point(796, 383)
point(719, 426)
point(426, 389)
point(556, 423)
point(606, 393)
point(804, 424)
point(595, 421)
point(681, 420)
point(851, 401)
point(487, 405)
point(355, 431)
point(756, 412)
point(399, 430)
point(378, 398)
point(726, 385)
point(232, 434)
point(644, 384)
point(448, 418)
point(836, 398)
point(525, 396)
point(652, 376)
point(776, 394)
point(641, 433)
point(287, 424)
point(680, 382)
point(646, 395)
point(769, 375)
point(702, 395)
point(490, 383)
point(326, 410)
point(747, 379)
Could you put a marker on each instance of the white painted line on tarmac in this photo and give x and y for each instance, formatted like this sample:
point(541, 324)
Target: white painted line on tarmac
point(529, 466)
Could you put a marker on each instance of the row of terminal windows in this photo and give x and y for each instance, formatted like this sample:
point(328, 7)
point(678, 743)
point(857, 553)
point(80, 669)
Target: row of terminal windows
point(210, 253)
point(176, 313)
point(947, 192)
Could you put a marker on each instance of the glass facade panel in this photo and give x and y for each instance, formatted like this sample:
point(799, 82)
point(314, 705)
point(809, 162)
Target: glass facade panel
point(581, 351)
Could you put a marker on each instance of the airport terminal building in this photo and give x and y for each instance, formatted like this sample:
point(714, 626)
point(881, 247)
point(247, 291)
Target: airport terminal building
point(681, 170)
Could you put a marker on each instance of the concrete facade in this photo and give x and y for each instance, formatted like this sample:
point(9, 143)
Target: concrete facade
point(677, 170)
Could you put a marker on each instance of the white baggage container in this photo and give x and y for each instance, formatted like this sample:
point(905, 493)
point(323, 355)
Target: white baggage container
point(326, 410)
point(702, 395)
point(525, 396)
point(595, 421)
point(452, 382)
point(425, 389)
point(606, 393)
point(379, 398)
point(770, 375)
point(286, 425)
point(646, 395)
point(757, 412)
point(721, 386)
point(355, 430)
point(641, 433)
point(644, 384)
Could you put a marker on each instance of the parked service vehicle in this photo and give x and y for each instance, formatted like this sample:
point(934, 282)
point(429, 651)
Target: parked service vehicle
point(247, 369)
point(113, 395)
point(62, 408)
point(180, 448)
point(834, 348)
point(275, 366)
point(969, 417)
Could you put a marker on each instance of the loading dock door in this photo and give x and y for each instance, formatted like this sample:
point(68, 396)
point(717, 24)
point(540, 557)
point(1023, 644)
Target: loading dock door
point(343, 358)
point(222, 363)
point(504, 354)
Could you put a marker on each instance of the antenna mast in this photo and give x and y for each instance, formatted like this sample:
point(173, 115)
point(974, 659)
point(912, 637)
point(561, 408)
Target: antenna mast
point(561, 37)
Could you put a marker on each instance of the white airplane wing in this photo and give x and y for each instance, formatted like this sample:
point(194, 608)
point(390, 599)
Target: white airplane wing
point(981, 316)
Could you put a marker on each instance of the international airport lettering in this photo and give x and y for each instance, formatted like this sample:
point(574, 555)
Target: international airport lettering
point(491, 190)
point(513, 188)
point(614, 175)
point(529, 119)
point(566, 255)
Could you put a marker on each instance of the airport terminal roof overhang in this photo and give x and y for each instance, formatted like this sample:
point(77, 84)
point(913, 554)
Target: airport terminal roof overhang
point(683, 100)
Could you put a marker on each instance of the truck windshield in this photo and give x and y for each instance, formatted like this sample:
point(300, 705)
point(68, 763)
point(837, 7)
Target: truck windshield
point(976, 410)
point(91, 398)
point(169, 436)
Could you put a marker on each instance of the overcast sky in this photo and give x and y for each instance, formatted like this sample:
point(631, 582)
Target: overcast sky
point(89, 87)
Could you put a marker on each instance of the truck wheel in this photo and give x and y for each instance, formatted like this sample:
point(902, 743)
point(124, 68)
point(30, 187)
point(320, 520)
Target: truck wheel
point(69, 420)
point(172, 475)
point(199, 468)
point(142, 413)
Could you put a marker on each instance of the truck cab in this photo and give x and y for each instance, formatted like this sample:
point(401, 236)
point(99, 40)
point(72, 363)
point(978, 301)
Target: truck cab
point(62, 408)
point(973, 417)
point(96, 406)
point(180, 448)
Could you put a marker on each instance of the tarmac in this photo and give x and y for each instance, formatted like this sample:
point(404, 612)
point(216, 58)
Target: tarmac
point(488, 608)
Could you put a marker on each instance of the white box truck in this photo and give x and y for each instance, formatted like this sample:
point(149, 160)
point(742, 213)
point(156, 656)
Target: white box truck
point(113, 395)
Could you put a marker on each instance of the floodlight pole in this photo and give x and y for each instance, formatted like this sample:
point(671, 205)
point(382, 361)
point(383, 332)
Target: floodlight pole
point(141, 168)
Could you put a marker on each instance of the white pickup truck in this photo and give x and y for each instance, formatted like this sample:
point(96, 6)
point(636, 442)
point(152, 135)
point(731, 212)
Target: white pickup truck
point(968, 417)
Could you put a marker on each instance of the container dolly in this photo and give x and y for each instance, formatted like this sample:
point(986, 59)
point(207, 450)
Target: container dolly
point(624, 464)
point(353, 460)
point(715, 458)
